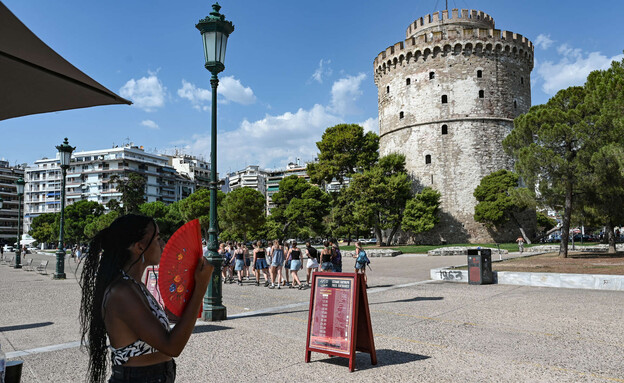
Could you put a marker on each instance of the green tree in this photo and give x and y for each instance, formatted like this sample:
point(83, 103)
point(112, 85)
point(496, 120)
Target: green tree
point(44, 229)
point(299, 205)
point(343, 150)
point(197, 206)
point(167, 223)
point(499, 200)
point(77, 216)
point(421, 212)
point(242, 213)
point(548, 144)
point(132, 189)
point(381, 194)
point(343, 221)
point(100, 223)
point(544, 222)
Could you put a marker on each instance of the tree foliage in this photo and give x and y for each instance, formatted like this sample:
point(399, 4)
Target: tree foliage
point(381, 193)
point(132, 189)
point(420, 213)
point(100, 223)
point(77, 216)
point(343, 150)
point(242, 214)
point(166, 216)
point(44, 229)
point(299, 205)
point(197, 206)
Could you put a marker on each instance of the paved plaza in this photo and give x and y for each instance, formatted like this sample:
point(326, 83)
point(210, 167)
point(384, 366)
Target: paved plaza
point(425, 331)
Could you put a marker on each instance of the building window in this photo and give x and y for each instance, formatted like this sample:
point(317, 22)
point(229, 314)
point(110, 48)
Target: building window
point(479, 73)
point(444, 99)
point(388, 89)
point(481, 94)
point(401, 115)
point(431, 75)
point(428, 159)
point(444, 129)
point(408, 81)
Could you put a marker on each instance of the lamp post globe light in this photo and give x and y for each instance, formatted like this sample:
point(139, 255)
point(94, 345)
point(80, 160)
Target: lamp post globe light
point(19, 184)
point(65, 151)
point(215, 31)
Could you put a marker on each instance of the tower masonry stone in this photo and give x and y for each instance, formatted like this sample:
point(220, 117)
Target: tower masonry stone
point(448, 95)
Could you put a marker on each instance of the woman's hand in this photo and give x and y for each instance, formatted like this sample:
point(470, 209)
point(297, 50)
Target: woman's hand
point(202, 274)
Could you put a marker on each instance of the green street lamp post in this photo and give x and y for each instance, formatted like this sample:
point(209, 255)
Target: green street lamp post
point(215, 31)
point(19, 184)
point(65, 151)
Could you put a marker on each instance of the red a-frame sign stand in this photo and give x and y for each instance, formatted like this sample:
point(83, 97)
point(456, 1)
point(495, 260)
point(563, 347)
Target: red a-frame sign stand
point(360, 328)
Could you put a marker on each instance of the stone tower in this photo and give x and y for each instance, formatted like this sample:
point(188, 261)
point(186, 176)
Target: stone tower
point(448, 95)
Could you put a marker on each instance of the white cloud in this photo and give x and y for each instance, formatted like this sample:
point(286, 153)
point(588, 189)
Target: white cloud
point(572, 68)
point(229, 87)
point(147, 93)
point(370, 125)
point(275, 140)
point(322, 71)
point(150, 124)
point(543, 41)
point(345, 93)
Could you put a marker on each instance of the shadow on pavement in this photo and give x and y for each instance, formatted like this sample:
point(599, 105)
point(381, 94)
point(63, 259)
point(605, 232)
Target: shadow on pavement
point(385, 357)
point(209, 328)
point(415, 299)
point(241, 315)
point(25, 326)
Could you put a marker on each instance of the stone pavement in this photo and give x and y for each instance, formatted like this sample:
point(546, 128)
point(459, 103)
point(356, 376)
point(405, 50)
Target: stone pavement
point(425, 331)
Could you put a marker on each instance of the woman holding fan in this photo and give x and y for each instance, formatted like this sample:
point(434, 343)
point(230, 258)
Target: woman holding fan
point(116, 305)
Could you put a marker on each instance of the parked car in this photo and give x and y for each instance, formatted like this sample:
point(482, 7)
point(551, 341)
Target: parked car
point(371, 241)
point(8, 248)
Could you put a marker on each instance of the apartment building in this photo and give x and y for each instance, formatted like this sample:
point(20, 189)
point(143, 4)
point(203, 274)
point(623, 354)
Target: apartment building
point(89, 178)
point(196, 169)
point(252, 176)
point(8, 192)
point(275, 176)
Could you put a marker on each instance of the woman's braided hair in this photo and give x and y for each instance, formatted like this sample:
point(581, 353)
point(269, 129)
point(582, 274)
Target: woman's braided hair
point(108, 254)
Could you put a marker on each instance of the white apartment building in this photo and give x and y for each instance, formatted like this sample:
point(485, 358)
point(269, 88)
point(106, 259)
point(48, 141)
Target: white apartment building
point(197, 170)
point(252, 176)
point(275, 176)
point(8, 192)
point(88, 178)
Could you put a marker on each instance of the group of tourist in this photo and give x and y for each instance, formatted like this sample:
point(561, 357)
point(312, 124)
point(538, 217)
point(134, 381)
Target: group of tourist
point(279, 263)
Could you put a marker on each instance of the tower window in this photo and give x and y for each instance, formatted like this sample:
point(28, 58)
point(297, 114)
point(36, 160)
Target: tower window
point(444, 129)
point(428, 159)
point(521, 80)
point(444, 99)
point(515, 104)
point(388, 89)
point(408, 81)
point(479, 73)
point(431, 75)
point(481, 94)
point(401, 115)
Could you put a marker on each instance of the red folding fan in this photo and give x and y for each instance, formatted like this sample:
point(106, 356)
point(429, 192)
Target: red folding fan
point(179, 259)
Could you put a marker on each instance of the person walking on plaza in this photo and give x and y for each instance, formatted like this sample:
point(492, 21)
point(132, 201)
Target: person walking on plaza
point(520, 241)
point(247, 259)
point(287, 261)
point(260, 264)
point(361, 261)
point(116, 307)
point(336, 256)
point(312, 264)
point(326, 257)
point(294, 255)
point(239, 259)
point(277, 262)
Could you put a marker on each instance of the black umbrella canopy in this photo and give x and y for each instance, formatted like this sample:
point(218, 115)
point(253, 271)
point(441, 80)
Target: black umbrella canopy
point(35, 79)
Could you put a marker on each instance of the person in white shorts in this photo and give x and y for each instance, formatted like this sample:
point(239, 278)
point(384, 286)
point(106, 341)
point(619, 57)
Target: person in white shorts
point(312, 264)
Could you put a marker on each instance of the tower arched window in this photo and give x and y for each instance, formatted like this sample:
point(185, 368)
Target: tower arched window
point(388, 89)
point(479, 73)
point(428, 159)
point(444, 129)
point(521, 80)
point(444, 99)
point(431, 75)
point(515, 104)
point(408, 81)
point(401, 115)
point(481, 94)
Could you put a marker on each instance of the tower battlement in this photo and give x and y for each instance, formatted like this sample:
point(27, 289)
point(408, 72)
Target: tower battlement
point(476, 18)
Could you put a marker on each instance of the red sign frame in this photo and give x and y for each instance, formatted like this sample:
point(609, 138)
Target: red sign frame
point(330, 293)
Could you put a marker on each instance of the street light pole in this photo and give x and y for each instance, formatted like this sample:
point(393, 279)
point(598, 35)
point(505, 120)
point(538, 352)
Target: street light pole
point(65, 151)
point(215, 31)
point(20, 192)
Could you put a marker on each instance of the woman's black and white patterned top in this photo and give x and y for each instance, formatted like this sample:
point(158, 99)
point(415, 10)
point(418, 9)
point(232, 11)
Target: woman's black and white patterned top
point(121, 355)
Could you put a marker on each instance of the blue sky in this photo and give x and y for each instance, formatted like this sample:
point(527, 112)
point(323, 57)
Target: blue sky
point(293, 68)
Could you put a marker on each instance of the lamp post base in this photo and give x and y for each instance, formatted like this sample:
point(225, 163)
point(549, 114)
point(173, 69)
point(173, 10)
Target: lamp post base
point(214, 313)
point(60, 265)
point(18, 260)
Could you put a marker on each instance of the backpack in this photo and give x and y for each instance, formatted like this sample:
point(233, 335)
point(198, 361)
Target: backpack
point(363, 258)
point(337, 259)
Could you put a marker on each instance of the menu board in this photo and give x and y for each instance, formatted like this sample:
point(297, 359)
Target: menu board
point(332, 314)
